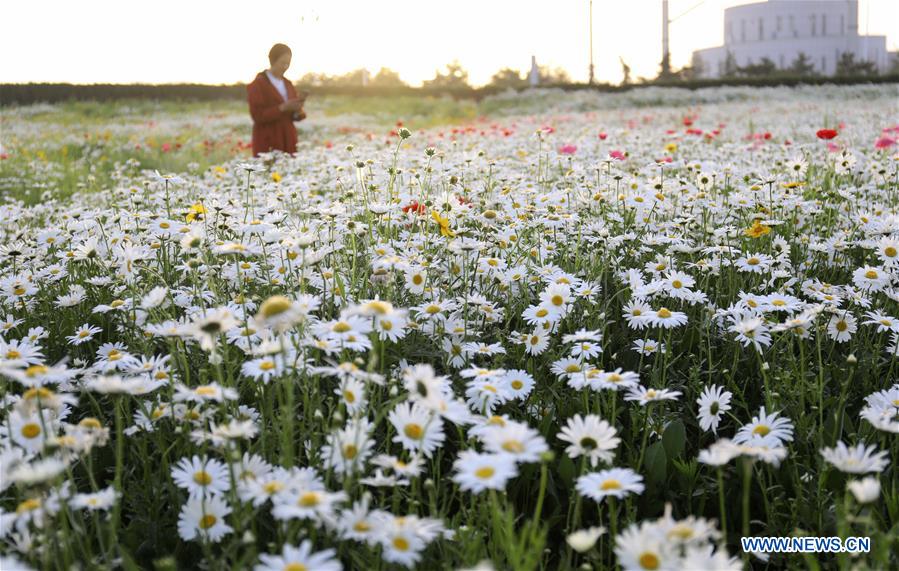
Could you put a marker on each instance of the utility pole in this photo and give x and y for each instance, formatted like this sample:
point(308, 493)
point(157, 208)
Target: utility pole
point(666, 57)
point(590, 81)
point(666, 21)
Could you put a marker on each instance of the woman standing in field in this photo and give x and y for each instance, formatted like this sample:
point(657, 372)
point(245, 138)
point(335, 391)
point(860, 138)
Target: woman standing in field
point(274, 105)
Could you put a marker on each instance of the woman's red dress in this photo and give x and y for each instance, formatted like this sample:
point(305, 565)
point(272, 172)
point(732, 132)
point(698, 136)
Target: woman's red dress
point(272, 129)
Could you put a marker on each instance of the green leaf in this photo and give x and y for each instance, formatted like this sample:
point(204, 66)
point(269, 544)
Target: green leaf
point(566, 470)
point(674, 438)
point(656, 463)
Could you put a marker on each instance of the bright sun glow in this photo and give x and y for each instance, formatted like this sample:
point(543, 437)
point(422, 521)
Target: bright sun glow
point(225, 42)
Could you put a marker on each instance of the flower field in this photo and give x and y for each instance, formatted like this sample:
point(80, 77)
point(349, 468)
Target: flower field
point(568, 331)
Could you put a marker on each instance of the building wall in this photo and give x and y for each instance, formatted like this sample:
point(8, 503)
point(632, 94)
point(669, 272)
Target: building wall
point(781, 29)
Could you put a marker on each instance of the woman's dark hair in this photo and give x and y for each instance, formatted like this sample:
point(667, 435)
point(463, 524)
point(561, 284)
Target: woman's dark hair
point(277, 51)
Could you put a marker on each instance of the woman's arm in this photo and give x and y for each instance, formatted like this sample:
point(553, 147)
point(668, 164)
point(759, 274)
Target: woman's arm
point(260, 111)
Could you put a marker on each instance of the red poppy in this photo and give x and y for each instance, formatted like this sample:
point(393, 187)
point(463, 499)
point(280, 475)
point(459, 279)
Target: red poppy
point(567, 149)
point(603, 135)
point(618, 155)
point(826, 134)
point(414, 206)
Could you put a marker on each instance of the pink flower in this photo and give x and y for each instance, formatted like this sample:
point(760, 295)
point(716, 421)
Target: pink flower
point(833, 147)
point(884, 143)
point(567, 149)
point(618, 155)
point(603, 135)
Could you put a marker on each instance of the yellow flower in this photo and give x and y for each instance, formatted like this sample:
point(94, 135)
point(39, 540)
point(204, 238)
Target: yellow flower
point(276, 177)
point(671, 147)
point(196, 212)
point(757, 230)
point(445, 229)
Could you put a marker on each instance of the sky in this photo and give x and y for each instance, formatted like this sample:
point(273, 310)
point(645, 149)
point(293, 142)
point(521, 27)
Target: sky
point(197, 41)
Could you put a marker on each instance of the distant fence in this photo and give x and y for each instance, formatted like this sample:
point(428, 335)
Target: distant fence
point(27, 93)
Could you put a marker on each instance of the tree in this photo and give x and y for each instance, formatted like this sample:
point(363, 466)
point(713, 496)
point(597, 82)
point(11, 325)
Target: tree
point(386, 77)
point(802, 66)
point(550, 76)
point(313, 79)
point(455, 77)
point(625, 72)
point(847, 66)
point(764, 68)
point(507, 78)
point(894, 64)
point(730, 65)
point(697, 67)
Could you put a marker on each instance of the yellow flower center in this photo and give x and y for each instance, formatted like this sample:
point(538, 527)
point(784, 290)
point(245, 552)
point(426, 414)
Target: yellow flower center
point(266, 365)
point(341, 327)
point(610, 484)
point(90, 422)
point(37, 393)
point(871, 275)
point(557, 300)
point(203, 478)
point(513, 446)
point(273, 487)
point(401, 544)
point(350, 451)
point(378, 307)
point(890, 252)
point(649, 561)
point(664, 313)
point(207, 521)
point(31, 430)
point(484, 473)
point(413, 431)
point(205, 391)
point(761, 430)
point(35, 370)
point(295, 566)
point(309, 499)
point(28, 505)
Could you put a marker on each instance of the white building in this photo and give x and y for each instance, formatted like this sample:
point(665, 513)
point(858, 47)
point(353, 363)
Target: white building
point(781, 29)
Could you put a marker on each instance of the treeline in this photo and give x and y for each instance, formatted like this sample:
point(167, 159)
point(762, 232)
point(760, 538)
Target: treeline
point(24, 94)
point(848, 66)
